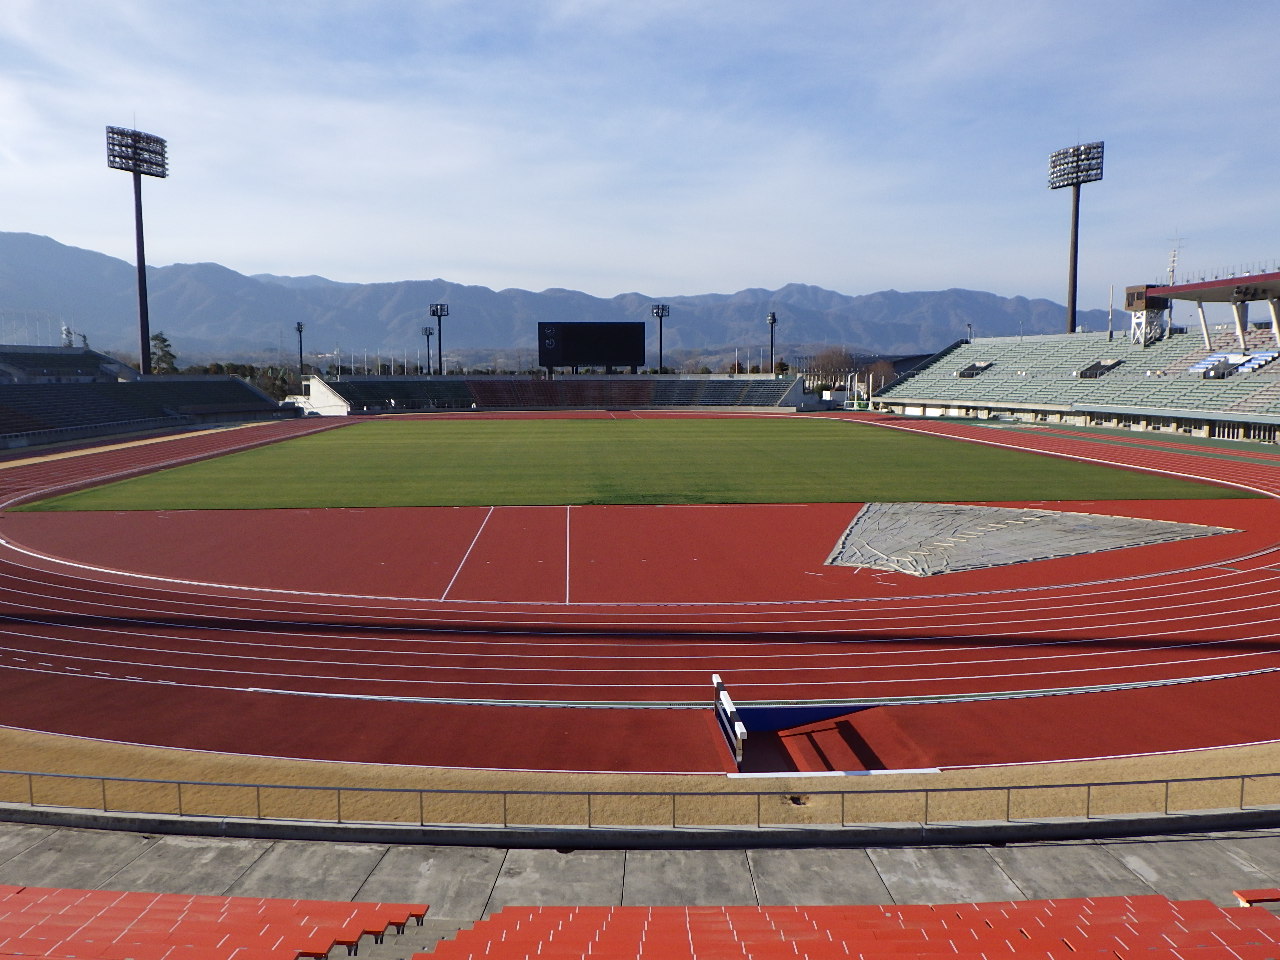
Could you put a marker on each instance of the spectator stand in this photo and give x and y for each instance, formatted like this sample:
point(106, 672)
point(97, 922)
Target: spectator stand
point(1093, 379)
point(55, 394)
point(34, 364)
point(353, 395)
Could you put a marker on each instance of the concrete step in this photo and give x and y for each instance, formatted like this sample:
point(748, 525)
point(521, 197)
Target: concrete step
point(400, 946)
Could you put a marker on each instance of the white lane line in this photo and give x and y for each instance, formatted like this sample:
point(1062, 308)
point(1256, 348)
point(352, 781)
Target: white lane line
point(463, 562)
point(566, 553)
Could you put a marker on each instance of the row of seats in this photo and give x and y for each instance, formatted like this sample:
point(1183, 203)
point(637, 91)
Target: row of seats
point(1234, 362)
point(64, 923)
point(515, 393)
point(32, 407)
point(80, 364)
point(197, 394)
point(507, 393)
point(27, 407)
point(1117, 927)
point(408, 394)
point(1257, 360)
point(1213, 359)
point(1044, 370)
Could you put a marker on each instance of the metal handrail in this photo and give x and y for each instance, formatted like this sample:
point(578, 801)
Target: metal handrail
point(931, 797)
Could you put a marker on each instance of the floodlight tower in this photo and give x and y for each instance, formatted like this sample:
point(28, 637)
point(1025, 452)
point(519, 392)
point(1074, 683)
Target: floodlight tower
point(438, 310)
point(138, 153)
point(772, 320)
point(660, 310)
point(427, 332)
point(298, 326)
point(1070, 167)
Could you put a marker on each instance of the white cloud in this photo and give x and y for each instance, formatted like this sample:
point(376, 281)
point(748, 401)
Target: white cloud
point(676, 148)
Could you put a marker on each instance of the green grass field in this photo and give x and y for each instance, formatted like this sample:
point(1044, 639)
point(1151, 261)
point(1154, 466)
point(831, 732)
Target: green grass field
point(501, 462)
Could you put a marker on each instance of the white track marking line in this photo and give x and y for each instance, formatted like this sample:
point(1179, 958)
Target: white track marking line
point(803, 683)
point(463, 562)
point(777, 605)
point(567, 508)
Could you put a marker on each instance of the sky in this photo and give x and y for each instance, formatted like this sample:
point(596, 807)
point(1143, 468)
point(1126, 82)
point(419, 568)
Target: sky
point(662, 147)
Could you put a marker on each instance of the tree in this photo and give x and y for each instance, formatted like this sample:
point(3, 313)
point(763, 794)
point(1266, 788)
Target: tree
point(163, 360)
point(829, 367)
point(877, 374)
point(273, 381)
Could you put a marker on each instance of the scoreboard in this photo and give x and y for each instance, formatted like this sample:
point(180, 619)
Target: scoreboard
point(591, 344)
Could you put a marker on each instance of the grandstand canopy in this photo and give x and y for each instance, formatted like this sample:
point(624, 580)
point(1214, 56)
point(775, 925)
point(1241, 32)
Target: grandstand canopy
point(1258, 286)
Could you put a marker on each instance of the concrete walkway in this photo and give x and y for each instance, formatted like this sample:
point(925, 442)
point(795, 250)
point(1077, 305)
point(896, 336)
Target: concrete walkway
point(464, 884)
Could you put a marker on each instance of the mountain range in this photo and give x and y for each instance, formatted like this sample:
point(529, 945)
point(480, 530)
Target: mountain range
point(210, 312)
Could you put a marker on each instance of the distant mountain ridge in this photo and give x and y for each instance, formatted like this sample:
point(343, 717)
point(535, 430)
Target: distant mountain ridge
point(210, 311)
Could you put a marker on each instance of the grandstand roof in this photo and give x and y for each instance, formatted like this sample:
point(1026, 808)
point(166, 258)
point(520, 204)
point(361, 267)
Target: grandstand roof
point(1259, 286)
point(36, 363)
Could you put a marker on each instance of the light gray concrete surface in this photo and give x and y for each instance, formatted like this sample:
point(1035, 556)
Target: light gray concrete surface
point(332, 871)
point(943, 874)
point(821, 876)
point(657, 878)
point(17, 838)
point(1260, 851)
point(75, 858)
point(590, 878)
point(1182, 869)
point(457, 881)
point(465, 884)
point(186, 865)
point(1068, 869)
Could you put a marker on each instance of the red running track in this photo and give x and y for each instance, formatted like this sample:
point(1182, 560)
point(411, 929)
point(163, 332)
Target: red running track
point(493, 637)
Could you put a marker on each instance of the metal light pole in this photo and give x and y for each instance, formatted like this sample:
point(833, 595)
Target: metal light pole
point(772, 320)
point(138, 153)
point(439, 310)
point(660, 310)
point(428, 333)
point(301, 387)
point(1071, 167)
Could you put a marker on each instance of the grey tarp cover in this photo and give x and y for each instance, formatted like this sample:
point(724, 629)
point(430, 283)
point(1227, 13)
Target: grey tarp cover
point(924, 539)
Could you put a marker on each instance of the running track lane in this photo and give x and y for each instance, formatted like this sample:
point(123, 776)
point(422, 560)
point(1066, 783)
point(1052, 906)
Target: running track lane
point(68, 627)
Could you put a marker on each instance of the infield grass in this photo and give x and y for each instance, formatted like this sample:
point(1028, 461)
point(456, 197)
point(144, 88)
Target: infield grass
point(624, 461)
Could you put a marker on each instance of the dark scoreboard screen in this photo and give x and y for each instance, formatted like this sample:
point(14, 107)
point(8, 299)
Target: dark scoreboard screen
point(591, 344)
